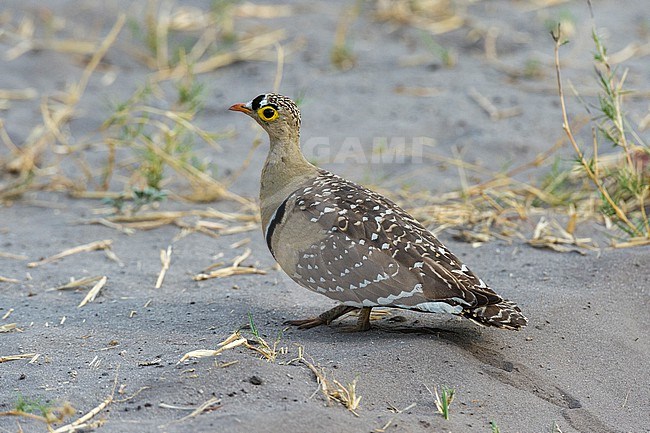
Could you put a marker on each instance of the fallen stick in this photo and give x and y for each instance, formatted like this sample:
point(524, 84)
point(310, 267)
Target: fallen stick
point(93, 246)
point(8, 280)
point(165, 259)
point(92, 294)
point(16, 357)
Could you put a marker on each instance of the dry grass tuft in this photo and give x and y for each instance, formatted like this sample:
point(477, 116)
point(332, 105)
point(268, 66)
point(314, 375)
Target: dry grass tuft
point(233, 269)
point(341, 54)
point(257, 344)
point(332, 389)
point(499, 207)
point(622, 182)
point(149, 140)
point(56, 111)
point(178, 40)
point(158, 128)
point(49, 414)
point(434, 16)
point(191, 221)
point(551, 235)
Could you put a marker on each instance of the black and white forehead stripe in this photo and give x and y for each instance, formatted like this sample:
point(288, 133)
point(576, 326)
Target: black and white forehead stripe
point(260, 101)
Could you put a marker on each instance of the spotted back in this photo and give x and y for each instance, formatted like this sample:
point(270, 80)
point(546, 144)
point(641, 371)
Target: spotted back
point(373, 253)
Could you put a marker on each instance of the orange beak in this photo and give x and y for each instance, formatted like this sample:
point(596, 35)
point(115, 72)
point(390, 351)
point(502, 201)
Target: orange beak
point(240, 107)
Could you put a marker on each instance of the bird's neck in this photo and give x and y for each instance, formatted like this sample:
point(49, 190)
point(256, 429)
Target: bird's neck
point(285, 170)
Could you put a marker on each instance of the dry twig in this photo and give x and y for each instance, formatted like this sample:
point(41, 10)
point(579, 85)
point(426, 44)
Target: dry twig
point(97, 245)
point(211, 404)
point(92, 294)
point(165, 259)
point(553, 236)
point(234, 340)
point(8, 280)
point(8, 327)
point(231, 270)
point(7, 314)
point(75, 284)
point(490, 109)
point(16, 357)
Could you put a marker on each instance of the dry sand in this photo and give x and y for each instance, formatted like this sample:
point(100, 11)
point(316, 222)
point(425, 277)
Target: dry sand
point(583, 362)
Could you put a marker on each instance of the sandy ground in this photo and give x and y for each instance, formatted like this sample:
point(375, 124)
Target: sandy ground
point(583, 362)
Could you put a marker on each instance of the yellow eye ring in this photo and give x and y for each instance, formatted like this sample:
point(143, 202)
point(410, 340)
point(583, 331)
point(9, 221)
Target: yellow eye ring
point(268, 113)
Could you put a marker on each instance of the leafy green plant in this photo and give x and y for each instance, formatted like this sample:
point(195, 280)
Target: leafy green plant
point(341, 55)
point(621, 180)
point(35, 408)
point(268, 351)
point(139, 197)
point(443, 399)
point(447, 56)
point(163, 138)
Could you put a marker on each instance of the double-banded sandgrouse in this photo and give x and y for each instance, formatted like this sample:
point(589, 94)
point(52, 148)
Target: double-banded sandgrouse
point(353, 245)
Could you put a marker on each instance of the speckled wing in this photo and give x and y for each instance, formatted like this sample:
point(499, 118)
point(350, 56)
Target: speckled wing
point(363, 250)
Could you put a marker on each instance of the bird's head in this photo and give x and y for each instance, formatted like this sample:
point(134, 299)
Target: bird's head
point(277, 114)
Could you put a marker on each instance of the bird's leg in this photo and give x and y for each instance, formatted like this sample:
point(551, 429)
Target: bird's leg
point(324, 319)
point(363, 323)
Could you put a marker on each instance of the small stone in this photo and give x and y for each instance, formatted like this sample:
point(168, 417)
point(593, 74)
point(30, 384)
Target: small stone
point(255, 380)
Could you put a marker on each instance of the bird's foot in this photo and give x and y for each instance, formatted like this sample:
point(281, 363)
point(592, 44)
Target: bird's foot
point(355, 328)
point(312, 322)
point(324, 319)
point(363, 323)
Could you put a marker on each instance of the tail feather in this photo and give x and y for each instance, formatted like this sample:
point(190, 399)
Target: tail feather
point(504, 314)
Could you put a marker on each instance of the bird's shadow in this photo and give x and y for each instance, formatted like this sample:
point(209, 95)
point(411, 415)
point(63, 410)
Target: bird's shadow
point(466, 336)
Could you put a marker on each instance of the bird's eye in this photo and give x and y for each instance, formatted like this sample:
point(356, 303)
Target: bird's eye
point(267, 113)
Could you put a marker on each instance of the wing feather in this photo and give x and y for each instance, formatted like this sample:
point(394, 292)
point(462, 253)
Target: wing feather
point(374, 253)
